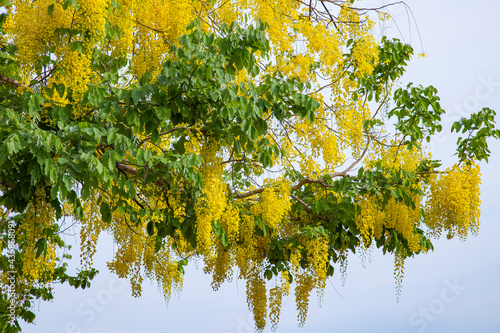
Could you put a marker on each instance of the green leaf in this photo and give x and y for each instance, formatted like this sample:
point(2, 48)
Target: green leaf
point(85, 190)
point(60, 89)
point(50, 9)
point(115, 4)
point(136, 96)
point(225, 239)
point(40, 246)
point(77, 46)
point(105, 212)
point(67, 3)
point(150, 228)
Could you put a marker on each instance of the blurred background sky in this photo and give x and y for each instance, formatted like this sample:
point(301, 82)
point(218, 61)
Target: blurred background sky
point(453, 289)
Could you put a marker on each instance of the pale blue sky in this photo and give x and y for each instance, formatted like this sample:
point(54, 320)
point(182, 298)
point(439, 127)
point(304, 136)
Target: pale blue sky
point(454, 289)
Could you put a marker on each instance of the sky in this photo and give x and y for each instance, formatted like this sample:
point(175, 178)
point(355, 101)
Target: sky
point(453, 289)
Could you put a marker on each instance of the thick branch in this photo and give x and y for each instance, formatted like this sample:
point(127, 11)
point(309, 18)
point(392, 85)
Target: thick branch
point(11, 82)
point(5, 216)
point(126, 168)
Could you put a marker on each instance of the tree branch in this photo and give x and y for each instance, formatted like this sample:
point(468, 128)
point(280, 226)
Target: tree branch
point(11, 82)
point(308, 209)
point(126, 168)
point(305, 181)
point(360, 158)
point(5, 216)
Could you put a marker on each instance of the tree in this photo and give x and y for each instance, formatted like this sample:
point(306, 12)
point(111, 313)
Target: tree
point(208, 134)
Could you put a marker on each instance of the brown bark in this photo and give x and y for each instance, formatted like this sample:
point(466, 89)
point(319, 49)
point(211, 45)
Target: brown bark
point(11, 82)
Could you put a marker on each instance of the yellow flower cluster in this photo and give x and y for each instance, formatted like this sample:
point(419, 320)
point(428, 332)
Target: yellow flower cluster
point(317, 140)
point(399, 270)
point(122, 16)
point(91, 18)
point(231, 222)
point(227, 11)
point(369, 217)
point(257, 298)
point(91, 227)
point(246, 252)
point(75, 73)
point(136, 257)
point(39, 215)
point(349, 116)
point(280, 15)
point(274, 205)
point(219, 265)
point(176, 205)
point(213, 201)
point(395, 215)
point(323, 43)
point(32, 28)
point(170, 279)
point(365, 47)
point(453, 204)
point(298, 66)
point(295, 258)
point(129, 253)
point(276, 298)
point(156, 29)
point(305, 284)
point(374, 218)
point(317, 255)
point(404, 219)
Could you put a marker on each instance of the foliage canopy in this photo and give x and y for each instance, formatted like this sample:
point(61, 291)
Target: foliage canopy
point(268, 136)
